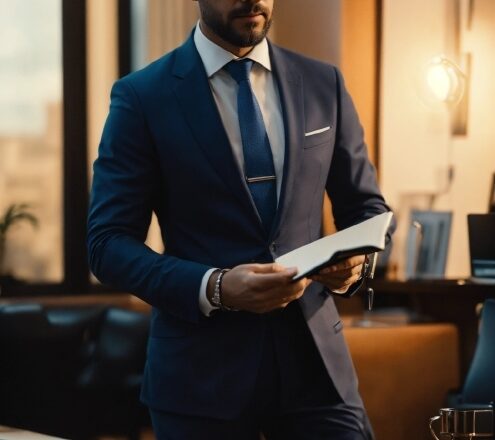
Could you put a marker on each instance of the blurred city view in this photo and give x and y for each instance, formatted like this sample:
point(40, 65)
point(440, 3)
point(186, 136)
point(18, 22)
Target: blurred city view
point(31, 134)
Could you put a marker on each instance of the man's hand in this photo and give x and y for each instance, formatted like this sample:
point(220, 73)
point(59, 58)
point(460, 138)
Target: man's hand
point(259, 288)
point(341, 275)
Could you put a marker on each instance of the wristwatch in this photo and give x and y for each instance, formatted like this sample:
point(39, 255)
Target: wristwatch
point(216, 299)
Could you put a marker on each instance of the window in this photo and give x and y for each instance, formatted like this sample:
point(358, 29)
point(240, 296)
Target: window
point(43, 143)
point(56, 71)
point(31, 135)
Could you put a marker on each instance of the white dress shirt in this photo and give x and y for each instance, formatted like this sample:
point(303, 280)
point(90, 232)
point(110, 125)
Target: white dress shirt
point(224, 90)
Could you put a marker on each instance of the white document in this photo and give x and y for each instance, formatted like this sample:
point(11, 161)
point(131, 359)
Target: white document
point(364, 238)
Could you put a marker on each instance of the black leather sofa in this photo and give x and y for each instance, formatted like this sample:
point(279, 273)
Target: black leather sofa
point(72, 372)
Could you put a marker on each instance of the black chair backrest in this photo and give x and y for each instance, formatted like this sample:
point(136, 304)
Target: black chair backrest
point(479, 387)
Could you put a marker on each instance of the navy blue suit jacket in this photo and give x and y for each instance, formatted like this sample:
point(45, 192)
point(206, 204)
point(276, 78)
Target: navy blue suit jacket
point(164, 149)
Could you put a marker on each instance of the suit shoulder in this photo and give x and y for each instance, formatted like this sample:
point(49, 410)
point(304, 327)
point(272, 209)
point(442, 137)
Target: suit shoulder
point(318, 74)
point(304, 62)
point(150, 76)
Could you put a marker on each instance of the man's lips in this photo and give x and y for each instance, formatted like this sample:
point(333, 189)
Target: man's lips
point(251, 12)
point(250, 16)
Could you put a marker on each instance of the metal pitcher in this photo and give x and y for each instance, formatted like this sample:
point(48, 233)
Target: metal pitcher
point(465, 423)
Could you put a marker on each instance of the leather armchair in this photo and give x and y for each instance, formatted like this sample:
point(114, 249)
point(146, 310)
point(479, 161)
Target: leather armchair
point(72, 372)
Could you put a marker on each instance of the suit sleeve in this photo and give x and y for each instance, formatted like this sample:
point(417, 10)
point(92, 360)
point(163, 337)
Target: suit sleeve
point(126, 185)
point(352, 184)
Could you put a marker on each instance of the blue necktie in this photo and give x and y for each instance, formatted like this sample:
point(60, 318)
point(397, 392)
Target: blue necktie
point(258, 161)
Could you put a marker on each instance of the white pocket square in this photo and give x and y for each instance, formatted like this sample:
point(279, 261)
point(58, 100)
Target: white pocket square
point(320, 130)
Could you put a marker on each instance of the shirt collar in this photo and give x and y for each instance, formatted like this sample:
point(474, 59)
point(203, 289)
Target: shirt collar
point(215, 57)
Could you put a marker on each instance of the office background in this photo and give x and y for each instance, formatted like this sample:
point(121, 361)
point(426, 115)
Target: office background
point(380, 46)
point(59, 59)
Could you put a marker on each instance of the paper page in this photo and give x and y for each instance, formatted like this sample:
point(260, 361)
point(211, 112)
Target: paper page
point(368, 234)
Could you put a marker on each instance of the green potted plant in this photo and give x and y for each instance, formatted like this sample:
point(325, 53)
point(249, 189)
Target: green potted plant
point(14, 214)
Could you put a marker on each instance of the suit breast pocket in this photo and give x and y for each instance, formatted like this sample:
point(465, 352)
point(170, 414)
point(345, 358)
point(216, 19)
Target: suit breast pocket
point(315, 138)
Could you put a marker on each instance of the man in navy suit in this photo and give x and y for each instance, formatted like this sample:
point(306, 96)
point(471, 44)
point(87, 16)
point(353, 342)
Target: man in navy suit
point(232, 142)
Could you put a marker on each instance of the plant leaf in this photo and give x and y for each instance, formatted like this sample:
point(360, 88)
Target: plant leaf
point(14, 214)
point(24, 216)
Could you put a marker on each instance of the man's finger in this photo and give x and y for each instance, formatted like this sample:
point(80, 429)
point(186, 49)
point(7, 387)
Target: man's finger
point(335, 282)
point(348, 263)
point(264, 281)
point(281, 301)
point(270, 268)
point(278, 284)
point(344, 273)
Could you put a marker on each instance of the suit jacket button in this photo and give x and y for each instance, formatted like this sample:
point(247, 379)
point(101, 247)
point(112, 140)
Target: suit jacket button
point(273, 247)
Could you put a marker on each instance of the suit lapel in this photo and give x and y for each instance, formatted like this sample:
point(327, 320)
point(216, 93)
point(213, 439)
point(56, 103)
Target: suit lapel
point(200, 111)
point(290, 87)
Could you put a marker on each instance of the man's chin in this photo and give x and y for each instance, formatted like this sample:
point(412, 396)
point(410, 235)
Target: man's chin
point(243, 33)
point(250, 36)
point(245, 30)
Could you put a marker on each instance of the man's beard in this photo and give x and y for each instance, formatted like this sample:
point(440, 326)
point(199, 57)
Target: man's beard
point(227, 32)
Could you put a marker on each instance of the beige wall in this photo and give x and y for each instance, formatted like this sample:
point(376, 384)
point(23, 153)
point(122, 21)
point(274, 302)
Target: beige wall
point(416, 142)
point(102, 68)
point(358, 62)
point(311, 27)
point(169, 23)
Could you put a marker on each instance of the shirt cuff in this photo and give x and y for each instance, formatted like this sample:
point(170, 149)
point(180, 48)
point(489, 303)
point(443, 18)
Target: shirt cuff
point(204, 305)
point(340, 291)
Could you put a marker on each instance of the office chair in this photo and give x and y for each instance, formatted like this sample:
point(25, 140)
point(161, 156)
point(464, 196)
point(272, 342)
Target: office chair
point(479, 387)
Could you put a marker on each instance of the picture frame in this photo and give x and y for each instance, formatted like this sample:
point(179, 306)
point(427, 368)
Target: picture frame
point(491, 202)
point(427, 244)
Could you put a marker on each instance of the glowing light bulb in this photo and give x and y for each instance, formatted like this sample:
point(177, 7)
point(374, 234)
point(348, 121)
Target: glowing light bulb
point(439, 82)
point(444, 80)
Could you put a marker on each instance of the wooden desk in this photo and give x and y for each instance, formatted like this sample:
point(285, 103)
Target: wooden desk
point(7, 433)
point(124, 300)
point(451, 301)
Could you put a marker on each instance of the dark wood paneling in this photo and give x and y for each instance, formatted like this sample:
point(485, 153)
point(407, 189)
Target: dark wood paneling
point(75, 156)
point(124, 36)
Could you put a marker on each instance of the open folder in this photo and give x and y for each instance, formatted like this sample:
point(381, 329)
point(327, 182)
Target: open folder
point(364, 238)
